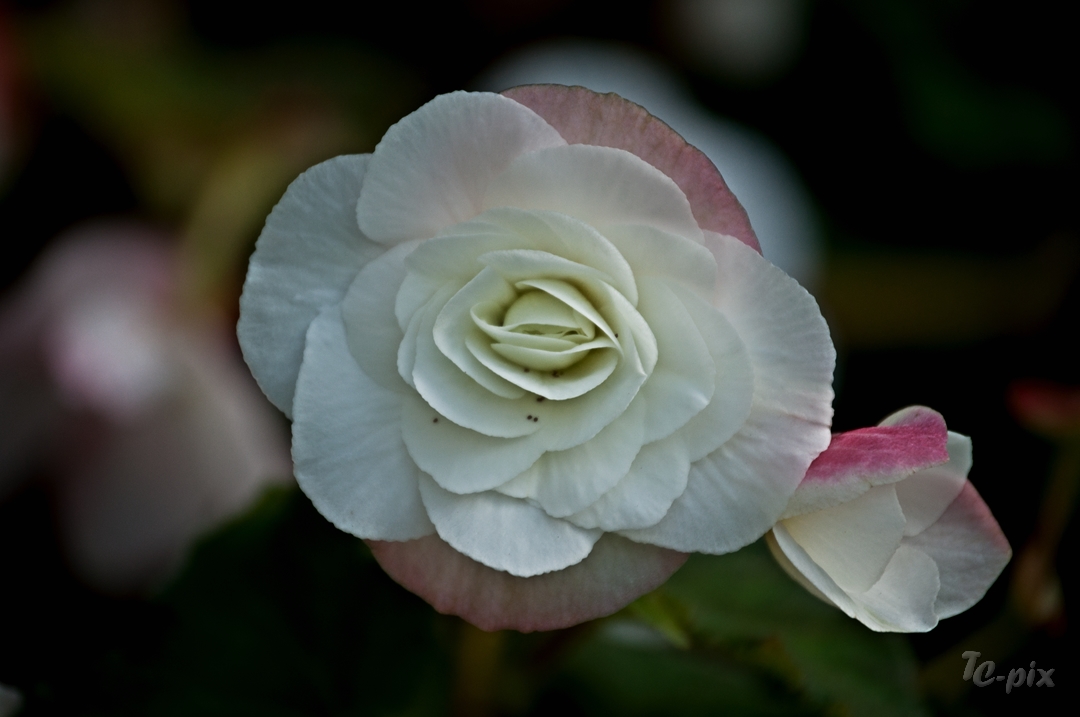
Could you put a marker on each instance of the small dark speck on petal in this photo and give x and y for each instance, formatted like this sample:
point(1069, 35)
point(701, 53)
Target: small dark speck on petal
point(435, 420)
point(529, 417)
point(616, 336)
point(539, 399)
point(536, 419)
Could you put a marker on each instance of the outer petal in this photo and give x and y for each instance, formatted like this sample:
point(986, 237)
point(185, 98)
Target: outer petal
point(807, 570)
point(910, 440)
point(683, 381)
point(347, 446)
point(853, 542)
point(564, 482)
point(584, 117)
point(651, 252)
point(371, 328)
point(903, 600)
point(615, 573)
point(505, 533)
point(969, 549)
point(733, 396)
point(307, 255)
point(459, 459)
point(597, 185)
point(736, 493)
point(656, 478)
point(432, 169)
point(926, 494)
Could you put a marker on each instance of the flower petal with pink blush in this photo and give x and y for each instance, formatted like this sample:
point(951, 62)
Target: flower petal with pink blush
point(505, 533)
point(432, 169)
point(308, 254)
point(598, 185)
point(342, 464)
point(928, 552)
point(969, 549)
point(585, 117)
point(907, 441)
point(616, 572)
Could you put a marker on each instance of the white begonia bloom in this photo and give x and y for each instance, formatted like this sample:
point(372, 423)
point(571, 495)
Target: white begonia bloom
point(531, 351)
point(887, 527)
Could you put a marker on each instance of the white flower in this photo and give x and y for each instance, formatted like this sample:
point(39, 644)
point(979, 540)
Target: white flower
point(887, 527)
point(530, 348)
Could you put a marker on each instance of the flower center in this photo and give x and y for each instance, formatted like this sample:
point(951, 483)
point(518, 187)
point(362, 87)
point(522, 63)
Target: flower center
point(538, 313)
point(541, 332)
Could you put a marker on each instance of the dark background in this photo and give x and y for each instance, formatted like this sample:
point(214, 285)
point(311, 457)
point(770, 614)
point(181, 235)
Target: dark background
point(937, 139)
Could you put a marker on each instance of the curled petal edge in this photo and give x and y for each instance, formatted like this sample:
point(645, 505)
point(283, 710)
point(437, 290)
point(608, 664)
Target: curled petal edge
point(616, 572)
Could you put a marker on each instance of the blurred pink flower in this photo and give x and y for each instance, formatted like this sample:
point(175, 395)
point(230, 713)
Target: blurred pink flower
point(887, 527)
point(141, 414)
point(1049, 409)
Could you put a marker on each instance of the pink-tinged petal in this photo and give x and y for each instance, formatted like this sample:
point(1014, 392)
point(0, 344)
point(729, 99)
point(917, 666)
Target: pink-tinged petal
point(433, 168)
point(925, 494)
point(305, 259)
point(615, 573)
point(853, 542)
point(601, 186)
point(969, 549)
point(350, 458)
point(505, 533)
point(585, 117)
point(909, 440)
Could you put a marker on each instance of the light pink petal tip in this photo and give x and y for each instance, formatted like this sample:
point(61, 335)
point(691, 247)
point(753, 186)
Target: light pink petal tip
point(910, 440)
point(917, 440)
point(969, 548)
point(585, 117)
point(615, 573)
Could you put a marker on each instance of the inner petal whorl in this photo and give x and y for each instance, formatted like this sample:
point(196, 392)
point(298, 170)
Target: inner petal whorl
point(542, 332)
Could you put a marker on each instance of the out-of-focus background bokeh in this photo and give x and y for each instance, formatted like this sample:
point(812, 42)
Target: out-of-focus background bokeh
point(912, 162)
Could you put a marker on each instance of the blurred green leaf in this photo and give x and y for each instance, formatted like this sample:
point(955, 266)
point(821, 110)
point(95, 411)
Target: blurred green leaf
point(954, 113)
point(282, 614)
point(757, 644)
